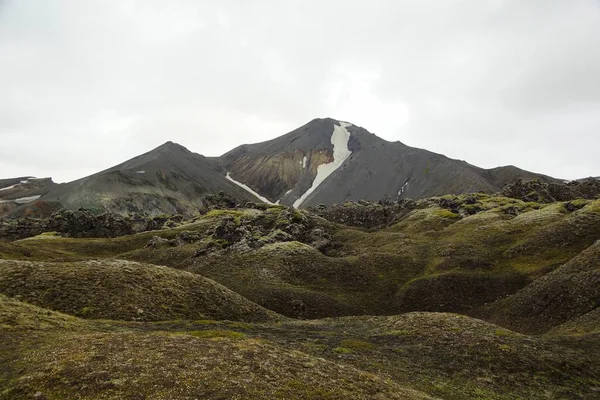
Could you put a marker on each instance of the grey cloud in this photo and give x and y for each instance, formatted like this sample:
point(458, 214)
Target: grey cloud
point(87, 84)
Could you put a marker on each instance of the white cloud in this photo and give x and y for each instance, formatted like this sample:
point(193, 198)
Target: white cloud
point(350, 97)
point(88, 84)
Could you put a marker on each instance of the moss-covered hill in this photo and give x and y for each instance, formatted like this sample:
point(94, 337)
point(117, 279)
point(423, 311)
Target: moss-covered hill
point(570, 291)
point(53, 356)
point(271, 302)
point(124, 290)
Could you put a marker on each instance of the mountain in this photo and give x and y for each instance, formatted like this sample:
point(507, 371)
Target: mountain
point(329, 161)
point(168, 179)
point(325, 161)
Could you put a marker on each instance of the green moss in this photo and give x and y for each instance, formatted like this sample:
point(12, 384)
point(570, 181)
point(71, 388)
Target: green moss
point(533, 205)
point(316, 346)
point(282, 222)
point(236, 214)
point(221, 243)
point(204, 322)
point(355, 344)
point(342, 350)
point(472, 208)
point(443, 213)
point(592, 207)
point(84, 311)
point(297, 216)
point(216, 333)
point(239, 325)
point(399, 332)
point(580, 202)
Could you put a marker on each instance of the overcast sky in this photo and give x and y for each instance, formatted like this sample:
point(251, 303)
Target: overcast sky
point(87, 84)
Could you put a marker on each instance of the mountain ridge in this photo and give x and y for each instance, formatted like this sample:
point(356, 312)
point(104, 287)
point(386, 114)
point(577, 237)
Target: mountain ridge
point(374, 169)
point(300, 168)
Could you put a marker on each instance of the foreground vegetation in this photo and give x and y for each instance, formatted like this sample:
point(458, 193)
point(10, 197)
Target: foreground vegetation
point(459, 297)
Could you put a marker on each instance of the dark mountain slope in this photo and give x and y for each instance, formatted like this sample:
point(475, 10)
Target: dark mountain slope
point(325, 161)
point(276, 169)
point(168, 179)
point(502, 176)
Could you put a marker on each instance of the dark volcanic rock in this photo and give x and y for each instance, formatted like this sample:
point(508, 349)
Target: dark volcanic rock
point(364, 214)
point(534, 190)
point(82, 223)
point(16, 229)
point(543, 192)
point(242, 234)
point(219, 201)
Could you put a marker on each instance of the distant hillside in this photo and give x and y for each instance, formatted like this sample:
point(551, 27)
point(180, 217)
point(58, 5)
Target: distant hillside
point(323, 162)
point(17, 191)
point(169, 179)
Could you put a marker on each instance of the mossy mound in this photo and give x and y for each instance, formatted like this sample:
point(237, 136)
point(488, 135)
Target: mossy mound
point(429, 219)
point(124, 290)
point(17, 315)
point(586, 324)
point(290, 278)
point(553, 299)
point(456, 291)
point(557, 229)
point(182, 366)
point(452, 356)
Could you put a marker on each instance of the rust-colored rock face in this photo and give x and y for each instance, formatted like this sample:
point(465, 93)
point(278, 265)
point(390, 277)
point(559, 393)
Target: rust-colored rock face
point(277, 174)
point(282, 169)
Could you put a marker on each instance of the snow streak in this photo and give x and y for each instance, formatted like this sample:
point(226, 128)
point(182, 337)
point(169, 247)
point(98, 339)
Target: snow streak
point(247, 188)
point(339, 140)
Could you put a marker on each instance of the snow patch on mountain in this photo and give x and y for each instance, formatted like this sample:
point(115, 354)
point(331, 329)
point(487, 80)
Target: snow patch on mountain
point(24, 182)
point(339, 140)
point(8, 187)
point(22, 200)
point(247, 188)
point(403, 188)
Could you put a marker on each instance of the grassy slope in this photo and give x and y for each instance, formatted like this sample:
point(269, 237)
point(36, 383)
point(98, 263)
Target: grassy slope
point(473, 260)
point(566, 293)
point(124, 290)
point(470, 261)
point(446, 355)
point(54, 356)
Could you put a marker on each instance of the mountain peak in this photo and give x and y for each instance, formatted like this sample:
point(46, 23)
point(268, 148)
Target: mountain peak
point(327, 120)
point(172, 146)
